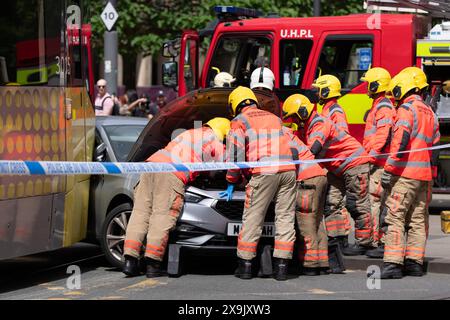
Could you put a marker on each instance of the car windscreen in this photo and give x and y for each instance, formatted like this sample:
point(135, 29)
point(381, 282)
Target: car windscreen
point(122, 138)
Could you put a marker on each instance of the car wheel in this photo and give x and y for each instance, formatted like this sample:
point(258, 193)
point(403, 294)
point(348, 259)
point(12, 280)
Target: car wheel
point(113, 234)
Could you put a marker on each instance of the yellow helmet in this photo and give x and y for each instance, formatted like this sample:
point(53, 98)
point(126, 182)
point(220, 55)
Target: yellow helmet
point(419, 76)
point(299, 105)
point(329, 86)
point(377, 80)
point(239, 98)
point(220, 126)
point(401, 84)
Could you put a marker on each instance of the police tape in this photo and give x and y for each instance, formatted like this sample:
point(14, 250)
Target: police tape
point(18, 167)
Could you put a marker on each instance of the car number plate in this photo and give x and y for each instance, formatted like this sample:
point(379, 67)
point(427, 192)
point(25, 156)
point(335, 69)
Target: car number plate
point(267, 231)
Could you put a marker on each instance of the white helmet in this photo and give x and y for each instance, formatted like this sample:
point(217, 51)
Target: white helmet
point(262, 77)
point(223, 79)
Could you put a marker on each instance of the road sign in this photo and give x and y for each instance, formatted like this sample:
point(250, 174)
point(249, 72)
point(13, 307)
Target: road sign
point(109, 16)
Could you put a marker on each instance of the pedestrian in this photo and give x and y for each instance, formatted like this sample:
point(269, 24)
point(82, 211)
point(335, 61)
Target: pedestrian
point(337, 217)
point(104, 103)
point(223, 79)
point(161, 100)
point(377, 137)
point(159, 197)
point(131, 105)
point(311, 194)
point(407, 177)
point(257, 135)
point(348, 173)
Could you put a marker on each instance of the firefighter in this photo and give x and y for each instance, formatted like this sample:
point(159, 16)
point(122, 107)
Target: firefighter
point(262, 78)
point(257, 135)
point(408, 179)
point(329, 89)
point(159, 197)
point(377, 135)
point(311, 194)
point(337, 222)
point(349, 174)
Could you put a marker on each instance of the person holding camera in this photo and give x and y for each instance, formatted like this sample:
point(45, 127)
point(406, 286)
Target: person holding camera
point(132, 105)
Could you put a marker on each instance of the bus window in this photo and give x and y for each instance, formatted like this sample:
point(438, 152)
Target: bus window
point(347, 59)
point(238, 56)
point(31, 53)
point(294, 56)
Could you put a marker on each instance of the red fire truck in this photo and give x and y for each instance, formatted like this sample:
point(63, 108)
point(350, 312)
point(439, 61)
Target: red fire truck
point(298, 50)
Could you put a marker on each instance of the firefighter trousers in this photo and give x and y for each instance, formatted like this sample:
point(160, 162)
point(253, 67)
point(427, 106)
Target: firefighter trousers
point(407, 220)
point(313, 241)
point(354, 186)
point(377, 201)
point(158, 201)
point(260, 191)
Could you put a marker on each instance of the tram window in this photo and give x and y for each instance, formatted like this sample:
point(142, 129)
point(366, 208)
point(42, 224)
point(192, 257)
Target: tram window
point(30, 48)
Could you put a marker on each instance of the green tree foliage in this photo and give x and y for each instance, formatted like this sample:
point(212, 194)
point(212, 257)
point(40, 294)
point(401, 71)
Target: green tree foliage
point(143, 25)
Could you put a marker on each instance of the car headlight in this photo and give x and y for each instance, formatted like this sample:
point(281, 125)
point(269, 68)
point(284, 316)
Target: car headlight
point(192, 198)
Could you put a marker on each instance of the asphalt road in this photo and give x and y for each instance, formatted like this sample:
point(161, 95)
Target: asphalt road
point(49, 276)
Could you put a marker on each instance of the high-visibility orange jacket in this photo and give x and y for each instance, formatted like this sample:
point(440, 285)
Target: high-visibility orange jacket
point(333, 111)
point(326, 140)
point(378, 131)
point(416, 127)
point(302, 152)
point(257, 135)
point(194, 145)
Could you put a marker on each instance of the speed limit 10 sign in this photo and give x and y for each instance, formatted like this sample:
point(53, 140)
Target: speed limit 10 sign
point(109, 16)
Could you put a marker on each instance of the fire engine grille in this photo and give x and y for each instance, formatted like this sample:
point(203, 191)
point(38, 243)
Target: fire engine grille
point(233, 210)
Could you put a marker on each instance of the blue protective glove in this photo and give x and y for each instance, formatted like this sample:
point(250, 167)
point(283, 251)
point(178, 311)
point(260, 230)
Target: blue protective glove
point(228, 193)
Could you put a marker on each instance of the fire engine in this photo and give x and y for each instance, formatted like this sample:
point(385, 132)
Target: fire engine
point(298, 50)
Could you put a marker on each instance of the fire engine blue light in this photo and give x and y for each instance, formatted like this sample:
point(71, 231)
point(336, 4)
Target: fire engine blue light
point(238, 12)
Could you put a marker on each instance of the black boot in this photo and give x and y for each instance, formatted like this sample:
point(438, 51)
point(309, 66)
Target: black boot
point(335, 258)
point(391, 271)
point(154, 268)
point(306, 271)
point(413, 268)
point(244, 269)
point(131, 266)
point(280, 269)
point(377, 253)
point(355, 250)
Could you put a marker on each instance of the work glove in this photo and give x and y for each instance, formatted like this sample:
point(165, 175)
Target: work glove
point(386, 179)
point(228, 193)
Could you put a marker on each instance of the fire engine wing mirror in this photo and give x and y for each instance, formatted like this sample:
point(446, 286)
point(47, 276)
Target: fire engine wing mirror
point(170, 74)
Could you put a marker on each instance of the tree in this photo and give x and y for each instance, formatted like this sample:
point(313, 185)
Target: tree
point(143, 25)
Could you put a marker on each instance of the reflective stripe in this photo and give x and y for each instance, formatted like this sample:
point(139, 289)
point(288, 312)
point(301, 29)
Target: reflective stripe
point(357, 153)
point(370, 132)
point(317, 134)
point(404, 164)
point(252, 135)
point(342, 124)
point(423, 137)
point(316, 118)
point(383, 122)
point(377, 155)
point(275, 158)
point(132, 244)
point(385, 103)
point(241, 117)
point(283, 245)
point(404, 123)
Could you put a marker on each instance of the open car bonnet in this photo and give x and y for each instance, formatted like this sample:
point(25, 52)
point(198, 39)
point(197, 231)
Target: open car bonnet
point(200, 105)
